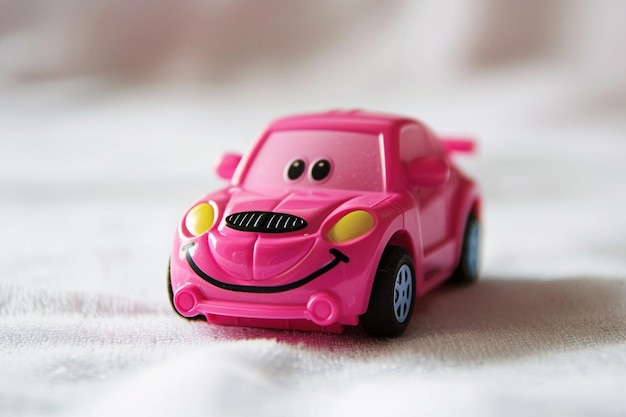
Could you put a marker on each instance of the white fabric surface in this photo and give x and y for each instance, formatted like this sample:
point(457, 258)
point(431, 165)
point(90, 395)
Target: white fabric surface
point(91, 188)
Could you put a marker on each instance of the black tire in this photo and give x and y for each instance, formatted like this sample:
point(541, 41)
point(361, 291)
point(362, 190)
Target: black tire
point(467, 269)
point(393, 295)
point(170, 293)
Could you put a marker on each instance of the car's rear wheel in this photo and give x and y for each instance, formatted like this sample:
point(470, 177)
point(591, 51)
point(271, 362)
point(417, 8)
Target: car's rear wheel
point(393, 295)
point(467, 270)
point(170, 293)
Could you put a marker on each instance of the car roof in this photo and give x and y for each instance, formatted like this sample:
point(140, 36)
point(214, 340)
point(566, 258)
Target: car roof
point(350, 120)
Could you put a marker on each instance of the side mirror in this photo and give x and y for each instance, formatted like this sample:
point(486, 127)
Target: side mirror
point(227, 164)
point(430, 171)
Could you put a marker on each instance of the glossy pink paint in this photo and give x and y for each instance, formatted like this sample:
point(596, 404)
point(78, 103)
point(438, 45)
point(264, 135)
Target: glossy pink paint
point(267, 259)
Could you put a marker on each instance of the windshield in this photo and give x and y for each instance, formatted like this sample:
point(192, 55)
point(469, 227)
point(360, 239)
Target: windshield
point(318, 159)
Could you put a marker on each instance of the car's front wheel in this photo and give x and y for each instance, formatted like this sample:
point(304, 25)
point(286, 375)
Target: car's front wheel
point(393, 295)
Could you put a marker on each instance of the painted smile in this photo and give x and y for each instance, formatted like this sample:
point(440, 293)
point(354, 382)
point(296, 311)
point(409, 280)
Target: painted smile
point(338, 257)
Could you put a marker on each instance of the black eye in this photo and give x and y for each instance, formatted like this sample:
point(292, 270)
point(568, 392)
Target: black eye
point(295, 169)
point(320, 170)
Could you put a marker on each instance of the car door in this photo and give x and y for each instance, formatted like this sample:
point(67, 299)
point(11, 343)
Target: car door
point(417, 142)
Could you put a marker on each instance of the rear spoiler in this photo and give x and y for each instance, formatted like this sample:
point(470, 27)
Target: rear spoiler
point(458, 144)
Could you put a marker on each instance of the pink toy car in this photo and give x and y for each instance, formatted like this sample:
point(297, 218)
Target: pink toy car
point(332, 219)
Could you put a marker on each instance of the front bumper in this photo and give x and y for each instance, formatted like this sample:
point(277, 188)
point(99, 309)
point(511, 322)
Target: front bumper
point(322, 308)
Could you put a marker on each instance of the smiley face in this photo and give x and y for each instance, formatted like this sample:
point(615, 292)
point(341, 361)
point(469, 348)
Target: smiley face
point(338, 257)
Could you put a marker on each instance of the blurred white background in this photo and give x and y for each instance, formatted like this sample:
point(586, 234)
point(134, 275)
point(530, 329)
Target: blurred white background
point(112, 112)
point(167, 71)
point(326, 45)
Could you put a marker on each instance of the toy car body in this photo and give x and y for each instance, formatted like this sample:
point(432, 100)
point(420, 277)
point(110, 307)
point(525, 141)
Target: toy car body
point(331, 219)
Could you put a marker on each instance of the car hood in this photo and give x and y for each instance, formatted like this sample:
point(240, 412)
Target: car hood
point(313, 207)
point(249, 255)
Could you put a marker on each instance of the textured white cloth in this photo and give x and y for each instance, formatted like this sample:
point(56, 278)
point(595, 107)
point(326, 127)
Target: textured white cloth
point(90, 193)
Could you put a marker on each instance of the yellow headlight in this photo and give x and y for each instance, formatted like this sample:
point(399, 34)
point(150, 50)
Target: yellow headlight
point(351, 226)
point(200, 219)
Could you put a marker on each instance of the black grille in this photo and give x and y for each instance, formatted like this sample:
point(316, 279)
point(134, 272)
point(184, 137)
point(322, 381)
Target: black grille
point(265, 222)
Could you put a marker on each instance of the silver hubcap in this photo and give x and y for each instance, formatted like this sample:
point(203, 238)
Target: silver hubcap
point(403, 293)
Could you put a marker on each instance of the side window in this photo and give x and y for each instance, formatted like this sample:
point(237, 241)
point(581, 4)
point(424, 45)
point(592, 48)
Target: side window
point(417, 142)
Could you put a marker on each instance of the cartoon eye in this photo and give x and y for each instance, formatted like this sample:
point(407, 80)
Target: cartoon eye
point(295, 169)
point(320, 170)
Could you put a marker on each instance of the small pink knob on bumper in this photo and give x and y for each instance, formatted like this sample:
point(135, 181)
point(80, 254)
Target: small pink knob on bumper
point(323, 308)
point(186, 300)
